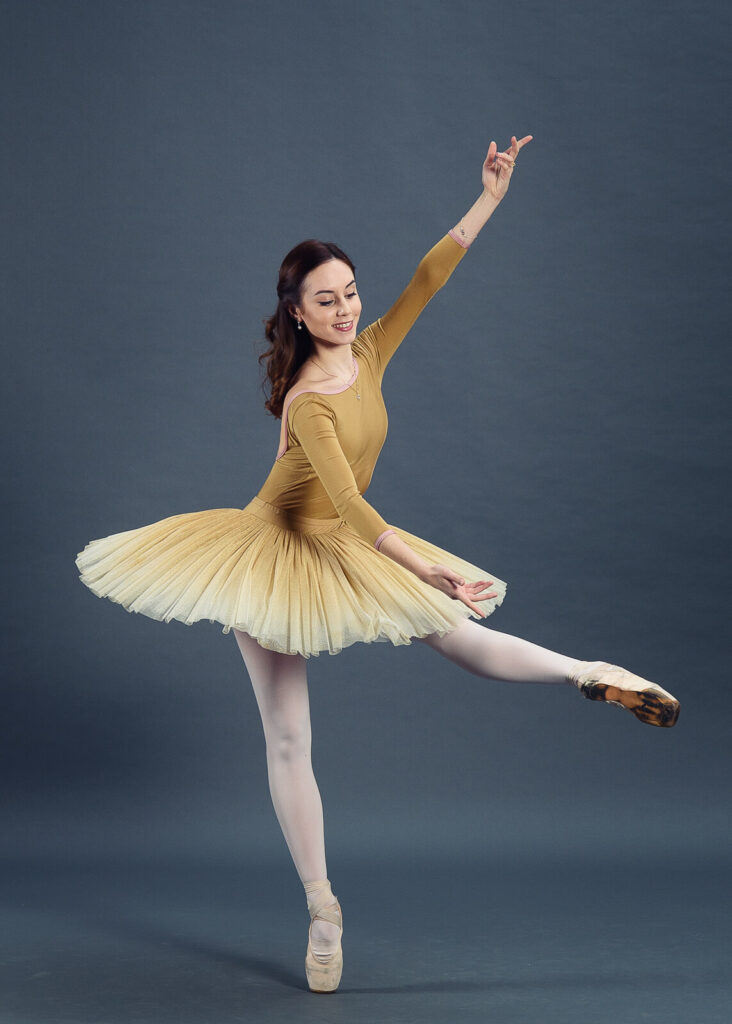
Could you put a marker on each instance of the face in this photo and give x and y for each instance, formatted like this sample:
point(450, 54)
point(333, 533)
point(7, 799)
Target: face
point(330, 306)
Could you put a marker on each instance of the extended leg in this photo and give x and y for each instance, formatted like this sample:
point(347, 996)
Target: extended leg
point(495, 655)
point(280, 687)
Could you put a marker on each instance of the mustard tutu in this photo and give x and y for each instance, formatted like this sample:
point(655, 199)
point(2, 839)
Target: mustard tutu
point(297, 584)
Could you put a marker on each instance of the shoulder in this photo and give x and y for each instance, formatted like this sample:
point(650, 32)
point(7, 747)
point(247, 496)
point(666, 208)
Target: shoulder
point(304, 404)
point(311, 418)
point(364, 345)
point(300, 389)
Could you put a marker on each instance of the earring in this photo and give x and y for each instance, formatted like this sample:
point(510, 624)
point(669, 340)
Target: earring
point(299, 325)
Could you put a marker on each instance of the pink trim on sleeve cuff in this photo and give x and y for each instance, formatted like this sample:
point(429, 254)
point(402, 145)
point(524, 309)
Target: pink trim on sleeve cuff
point(380, 538)
point(461, 241)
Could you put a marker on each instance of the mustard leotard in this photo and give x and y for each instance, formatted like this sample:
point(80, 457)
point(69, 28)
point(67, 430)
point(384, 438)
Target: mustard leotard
point(299, 567)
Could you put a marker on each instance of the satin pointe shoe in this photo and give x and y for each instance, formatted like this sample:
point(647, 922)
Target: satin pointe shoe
point(323, 971)
point(649, 702)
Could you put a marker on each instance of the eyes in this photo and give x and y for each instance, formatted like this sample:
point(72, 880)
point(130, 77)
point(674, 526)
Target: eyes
point(349, 295)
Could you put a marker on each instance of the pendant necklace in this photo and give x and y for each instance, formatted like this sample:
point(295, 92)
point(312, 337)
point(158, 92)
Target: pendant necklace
point(358, 392)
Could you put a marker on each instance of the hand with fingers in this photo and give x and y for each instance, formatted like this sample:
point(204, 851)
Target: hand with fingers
point(454, 585)
point(498, 167)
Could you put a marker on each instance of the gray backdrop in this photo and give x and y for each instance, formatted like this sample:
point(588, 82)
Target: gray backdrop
point(556, 414)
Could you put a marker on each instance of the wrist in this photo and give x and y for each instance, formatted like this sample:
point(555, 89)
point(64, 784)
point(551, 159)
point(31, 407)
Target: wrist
point(425, 573)
point(488, 200)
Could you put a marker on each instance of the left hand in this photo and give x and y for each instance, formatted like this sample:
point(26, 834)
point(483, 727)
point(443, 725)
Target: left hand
point(498, 167)
point(470, 593)
point(441, 577)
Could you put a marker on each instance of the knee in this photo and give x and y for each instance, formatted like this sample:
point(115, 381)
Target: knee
point(289, 743)
point(441, 641)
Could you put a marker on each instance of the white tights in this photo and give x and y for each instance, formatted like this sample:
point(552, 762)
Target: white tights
point(280, 687)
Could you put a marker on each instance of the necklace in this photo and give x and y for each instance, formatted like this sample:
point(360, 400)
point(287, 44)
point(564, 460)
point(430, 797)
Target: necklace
point(358, 392)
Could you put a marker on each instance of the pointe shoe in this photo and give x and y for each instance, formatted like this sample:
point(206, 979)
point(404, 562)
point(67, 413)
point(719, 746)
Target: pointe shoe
point(615, 685)
point(324, 972)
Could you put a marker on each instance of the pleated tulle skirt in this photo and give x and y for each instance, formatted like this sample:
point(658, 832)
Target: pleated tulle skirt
point(298, 585)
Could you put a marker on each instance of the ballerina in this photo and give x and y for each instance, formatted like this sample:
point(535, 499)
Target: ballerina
point(308, 565)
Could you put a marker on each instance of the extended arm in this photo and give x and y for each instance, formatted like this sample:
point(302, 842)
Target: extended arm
point(387, 333)
point(313, 424)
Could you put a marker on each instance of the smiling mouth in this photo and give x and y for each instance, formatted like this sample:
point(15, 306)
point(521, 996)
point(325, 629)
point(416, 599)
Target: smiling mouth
point(345, 326)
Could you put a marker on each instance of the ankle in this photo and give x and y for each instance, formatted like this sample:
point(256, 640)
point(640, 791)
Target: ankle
point(318, 894)
point(324, 933)
point(578, 669)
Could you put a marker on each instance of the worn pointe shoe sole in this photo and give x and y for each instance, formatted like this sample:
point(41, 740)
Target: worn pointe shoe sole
point(325, 977)
point(647, 701)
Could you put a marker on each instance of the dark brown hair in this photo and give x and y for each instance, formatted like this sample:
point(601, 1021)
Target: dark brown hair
point(289, 347)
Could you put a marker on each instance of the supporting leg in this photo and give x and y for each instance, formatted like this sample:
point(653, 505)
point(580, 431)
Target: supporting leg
point(280, 687)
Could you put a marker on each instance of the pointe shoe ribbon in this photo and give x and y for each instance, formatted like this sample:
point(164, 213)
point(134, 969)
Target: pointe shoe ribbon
point(649, 702)
point(323, 971)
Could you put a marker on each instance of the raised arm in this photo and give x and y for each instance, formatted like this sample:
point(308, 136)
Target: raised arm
point(387, 333)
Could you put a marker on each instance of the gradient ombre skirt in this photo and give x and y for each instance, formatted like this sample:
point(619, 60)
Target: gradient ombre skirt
point(298, 585)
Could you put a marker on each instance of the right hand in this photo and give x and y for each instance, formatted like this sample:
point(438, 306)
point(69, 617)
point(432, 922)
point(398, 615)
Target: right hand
point(497, 167)
point(453, 584)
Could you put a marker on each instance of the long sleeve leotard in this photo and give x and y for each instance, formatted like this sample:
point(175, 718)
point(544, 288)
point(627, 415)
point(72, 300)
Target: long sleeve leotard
point(300, 567)
point(331, 439)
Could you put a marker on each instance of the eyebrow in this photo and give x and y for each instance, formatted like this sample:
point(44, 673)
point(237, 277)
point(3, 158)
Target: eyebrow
point(330, 290)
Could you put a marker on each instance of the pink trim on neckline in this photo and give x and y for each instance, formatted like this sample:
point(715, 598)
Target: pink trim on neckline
point(313, 391)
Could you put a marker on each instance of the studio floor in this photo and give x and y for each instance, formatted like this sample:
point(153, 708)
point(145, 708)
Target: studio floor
point(215, 941)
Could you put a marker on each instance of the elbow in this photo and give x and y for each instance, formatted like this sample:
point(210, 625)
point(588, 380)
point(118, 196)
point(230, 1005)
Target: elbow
point(346, 504)
point(430, 277)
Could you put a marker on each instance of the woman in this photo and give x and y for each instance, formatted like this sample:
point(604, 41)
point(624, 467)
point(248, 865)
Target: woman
point(309, 565)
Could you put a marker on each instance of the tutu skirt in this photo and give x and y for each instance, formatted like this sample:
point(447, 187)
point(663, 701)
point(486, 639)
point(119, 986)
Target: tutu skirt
point(298, 585)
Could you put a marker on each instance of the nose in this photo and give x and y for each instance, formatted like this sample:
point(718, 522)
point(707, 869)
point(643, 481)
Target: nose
point(344, 307)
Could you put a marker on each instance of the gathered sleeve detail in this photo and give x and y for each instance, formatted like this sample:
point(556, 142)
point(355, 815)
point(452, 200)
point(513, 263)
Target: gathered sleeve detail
point(313, 423)
point(433, 270)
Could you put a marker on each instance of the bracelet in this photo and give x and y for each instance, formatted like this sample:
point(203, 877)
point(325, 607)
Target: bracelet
point(461, 241)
